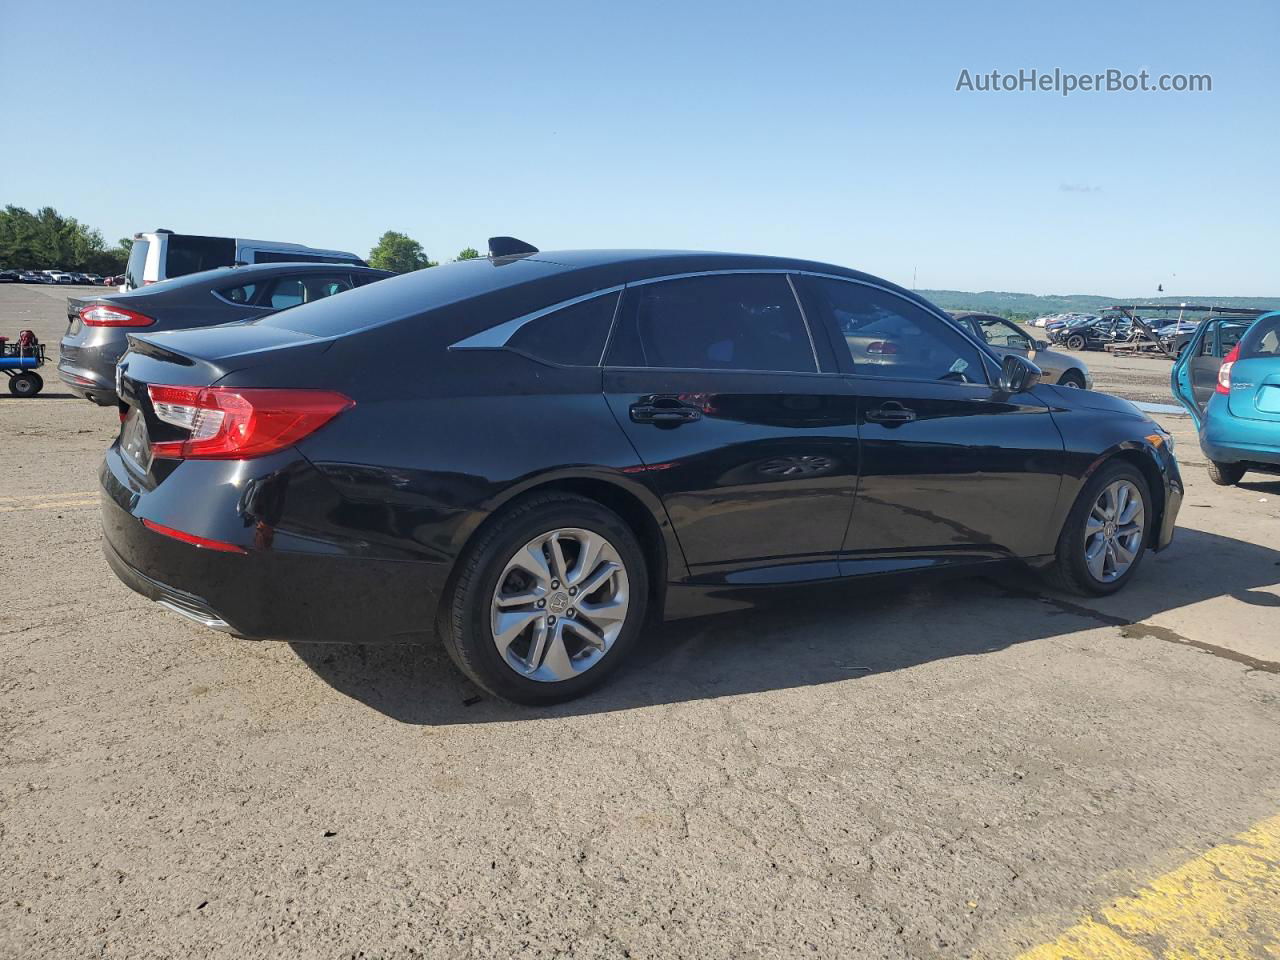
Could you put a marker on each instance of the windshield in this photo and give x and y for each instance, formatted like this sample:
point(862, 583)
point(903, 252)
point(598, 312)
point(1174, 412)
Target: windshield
point(137, 263)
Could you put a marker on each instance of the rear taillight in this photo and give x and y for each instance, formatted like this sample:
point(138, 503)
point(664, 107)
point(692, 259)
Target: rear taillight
point(103, 315)
point(204, 543)
point(1224, 371)
point(229, 423)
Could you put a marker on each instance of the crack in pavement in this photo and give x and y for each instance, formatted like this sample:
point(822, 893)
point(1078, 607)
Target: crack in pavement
point(1142, 630)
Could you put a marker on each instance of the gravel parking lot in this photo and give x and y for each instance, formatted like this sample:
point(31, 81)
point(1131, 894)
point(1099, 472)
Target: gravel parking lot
point(960, 769)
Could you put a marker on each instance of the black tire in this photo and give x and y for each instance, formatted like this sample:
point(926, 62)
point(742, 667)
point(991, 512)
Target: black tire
point(1225, 474)
point(1069, 572)
point(465, 622)
point(25, 384)
point(1076, 342)
point(1072, 378)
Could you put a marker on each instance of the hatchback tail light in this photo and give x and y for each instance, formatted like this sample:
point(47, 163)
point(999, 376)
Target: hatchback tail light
point(230, 423)
point(1224, 371)
point(108, 315)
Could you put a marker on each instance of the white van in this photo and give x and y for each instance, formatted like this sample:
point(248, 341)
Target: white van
point(164, 254)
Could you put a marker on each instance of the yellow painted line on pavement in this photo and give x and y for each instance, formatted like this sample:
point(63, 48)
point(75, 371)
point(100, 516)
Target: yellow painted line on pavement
point(1222, 905)
point(57, 505)
point(47, 497)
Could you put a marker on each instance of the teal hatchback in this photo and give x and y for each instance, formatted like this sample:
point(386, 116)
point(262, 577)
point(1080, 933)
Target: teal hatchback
point(1228, 378)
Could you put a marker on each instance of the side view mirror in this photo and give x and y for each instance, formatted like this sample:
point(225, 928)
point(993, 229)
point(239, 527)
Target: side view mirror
point(1042, 344)
point(1018, 374)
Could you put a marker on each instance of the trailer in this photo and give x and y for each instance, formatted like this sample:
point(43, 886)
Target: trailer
point(1144, 341)
point(19, 361)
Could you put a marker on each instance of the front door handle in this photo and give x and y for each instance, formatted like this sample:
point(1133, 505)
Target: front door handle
point(664, 410)
point(891, 412)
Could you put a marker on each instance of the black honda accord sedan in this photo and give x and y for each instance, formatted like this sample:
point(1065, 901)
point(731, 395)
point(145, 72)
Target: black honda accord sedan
point(528, 454)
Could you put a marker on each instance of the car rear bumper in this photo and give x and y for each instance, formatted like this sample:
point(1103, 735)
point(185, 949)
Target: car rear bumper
point(87, 384)
point(320, 594)
point(1237, 440)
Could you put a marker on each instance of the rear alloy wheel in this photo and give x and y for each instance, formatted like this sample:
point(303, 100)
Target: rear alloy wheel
point(25, 384)
point(1106, 533)
point(548, 600)
point(1073, 379)
point(1225, 474)
point(1075, 342)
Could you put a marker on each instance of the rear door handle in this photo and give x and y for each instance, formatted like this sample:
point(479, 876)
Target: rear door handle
point(891, 412)
point(665, 410)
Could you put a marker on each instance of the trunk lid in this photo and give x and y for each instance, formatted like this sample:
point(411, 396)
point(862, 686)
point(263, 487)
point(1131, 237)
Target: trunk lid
point(1255, 389)
point(271, 357)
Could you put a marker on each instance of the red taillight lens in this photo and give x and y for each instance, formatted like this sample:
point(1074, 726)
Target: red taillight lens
point(103, 315)
point(203, 542)
point(1224, 371)
point(228, 423)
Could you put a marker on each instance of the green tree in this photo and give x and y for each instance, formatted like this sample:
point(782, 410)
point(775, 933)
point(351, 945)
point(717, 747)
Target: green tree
point(399, 252)
point(46, 239)
point(468, 253)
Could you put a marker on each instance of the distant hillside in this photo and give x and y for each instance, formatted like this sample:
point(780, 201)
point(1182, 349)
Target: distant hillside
point(1030, 305)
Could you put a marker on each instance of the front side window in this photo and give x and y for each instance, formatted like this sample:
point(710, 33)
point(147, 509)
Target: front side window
point(1002, 333)
point(291, 291)
point(571, 336)
point(889, 336)
point(721, 322)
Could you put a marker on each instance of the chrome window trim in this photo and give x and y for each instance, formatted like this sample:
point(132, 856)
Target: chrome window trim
point(495, 338)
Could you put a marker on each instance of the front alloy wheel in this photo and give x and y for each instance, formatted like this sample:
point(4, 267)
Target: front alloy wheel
point(560, 604)
point(1114, 531)
point(1105, 535)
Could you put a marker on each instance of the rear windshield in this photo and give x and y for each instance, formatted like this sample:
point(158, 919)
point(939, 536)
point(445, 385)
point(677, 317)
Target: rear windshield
point(189, 254)
point(406, 296)
point(1262, 340)
point(137, 263)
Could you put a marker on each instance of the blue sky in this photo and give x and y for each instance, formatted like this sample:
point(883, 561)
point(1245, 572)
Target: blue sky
point(824, 130)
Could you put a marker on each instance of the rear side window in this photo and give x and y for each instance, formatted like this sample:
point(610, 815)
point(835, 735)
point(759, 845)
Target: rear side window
point(188, 254)
point(292, 291)
point(278, 256)
point(1262, 340)
point(241, 294)
point(729, 322)
point(135, 270)
point(889, 336)
point(573, 336)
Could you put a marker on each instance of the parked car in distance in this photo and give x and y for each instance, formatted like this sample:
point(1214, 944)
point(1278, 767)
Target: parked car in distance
point(163, 254)
point(530, 451)
point(1228, 379)
point(1092, 333)
point(9, 276)
point(98, 325)
point(1005, 337)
